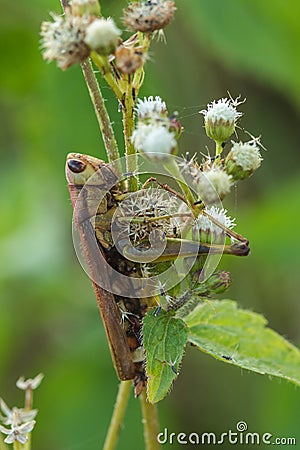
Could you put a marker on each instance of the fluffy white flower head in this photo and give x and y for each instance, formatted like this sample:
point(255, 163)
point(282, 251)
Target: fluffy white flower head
point(102, 35)
point(223, 109)
point(154, 140)
point(246, 155)
point(220, 214)
point(213, 184)
point(150, 107)
point(159, 143)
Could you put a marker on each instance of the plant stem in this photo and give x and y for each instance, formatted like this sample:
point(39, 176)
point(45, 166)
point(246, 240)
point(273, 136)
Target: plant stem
point(104, 66)
point(219, 148)
point(172, 167)
point(17, 445)
point(150, 422)
point(107, 132)
point(128, 124)
point(118, 415)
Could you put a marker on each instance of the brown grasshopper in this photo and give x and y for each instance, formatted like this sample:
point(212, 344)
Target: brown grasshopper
point(122, 317)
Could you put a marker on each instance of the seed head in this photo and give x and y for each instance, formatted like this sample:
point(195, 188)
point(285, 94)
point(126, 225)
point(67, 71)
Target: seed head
point(102, 35)
point(63, 40)
point(243, 159)
point(129, 59)
point(149, 15)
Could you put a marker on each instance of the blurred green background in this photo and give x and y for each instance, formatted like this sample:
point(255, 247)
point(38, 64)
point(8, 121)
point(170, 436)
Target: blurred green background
point(49, 321)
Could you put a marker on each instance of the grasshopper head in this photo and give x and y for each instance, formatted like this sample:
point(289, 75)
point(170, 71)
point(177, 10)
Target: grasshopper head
point(79, 168)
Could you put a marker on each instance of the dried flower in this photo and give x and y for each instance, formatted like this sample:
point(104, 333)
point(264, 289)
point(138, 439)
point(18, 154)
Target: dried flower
point(31, 383)
point(129, 59)
point(63, 40)
point(102, 35)
point(149, 15)
point(18, 432)
point(243, 159)
point(220, 118)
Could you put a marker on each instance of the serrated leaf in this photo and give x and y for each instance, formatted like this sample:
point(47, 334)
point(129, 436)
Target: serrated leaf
point(240, 337)
point(164, 338)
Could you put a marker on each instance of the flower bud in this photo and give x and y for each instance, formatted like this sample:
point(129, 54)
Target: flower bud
point(209, 231)
point(220, 119)
point(243, 160)
point(217, 284)
point(85, 7)
point(102, 35)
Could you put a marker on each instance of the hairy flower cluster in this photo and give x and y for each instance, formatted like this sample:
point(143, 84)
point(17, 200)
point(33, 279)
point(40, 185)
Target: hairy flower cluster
point(210, 231)
point(213, 184)
point(149, 15)
point(243, 159)
point(151, 107)
point(63, 40)
point(102, 36)
point(220, 118)
point(155, 134)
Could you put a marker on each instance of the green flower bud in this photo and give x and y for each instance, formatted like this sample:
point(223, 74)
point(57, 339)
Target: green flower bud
point(243, 160)
point(216, 284)
point(220, 119)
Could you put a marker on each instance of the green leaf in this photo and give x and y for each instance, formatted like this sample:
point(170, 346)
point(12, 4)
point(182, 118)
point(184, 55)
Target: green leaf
point(164, 337)
point(241, 338)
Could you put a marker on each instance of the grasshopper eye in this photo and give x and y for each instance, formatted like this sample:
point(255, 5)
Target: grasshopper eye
point(76, 166)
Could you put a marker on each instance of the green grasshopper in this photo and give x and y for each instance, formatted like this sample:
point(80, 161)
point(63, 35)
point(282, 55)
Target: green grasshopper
point(122, 317)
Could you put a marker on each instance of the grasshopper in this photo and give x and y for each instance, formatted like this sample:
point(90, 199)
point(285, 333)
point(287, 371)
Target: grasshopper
point(121, 316)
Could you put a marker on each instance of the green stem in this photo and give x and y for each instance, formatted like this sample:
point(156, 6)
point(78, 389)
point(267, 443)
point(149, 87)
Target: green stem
point(104, 66)
point(107, 132)
point(150, 422)
point(172, 167)
point(17, 445)
point(219, 149)
point(118, 415)
point(128, 124)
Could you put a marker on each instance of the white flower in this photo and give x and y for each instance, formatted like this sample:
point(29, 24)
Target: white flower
point(150, 107)
point(31, 383)
point(246, 155)
point(203, 223)
point(223, 109)
point(18, 432)
point(213, 184)
point(220, 118)
point(63, 40)
point(15, 415)
point(155, 141)
point(102, 35)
